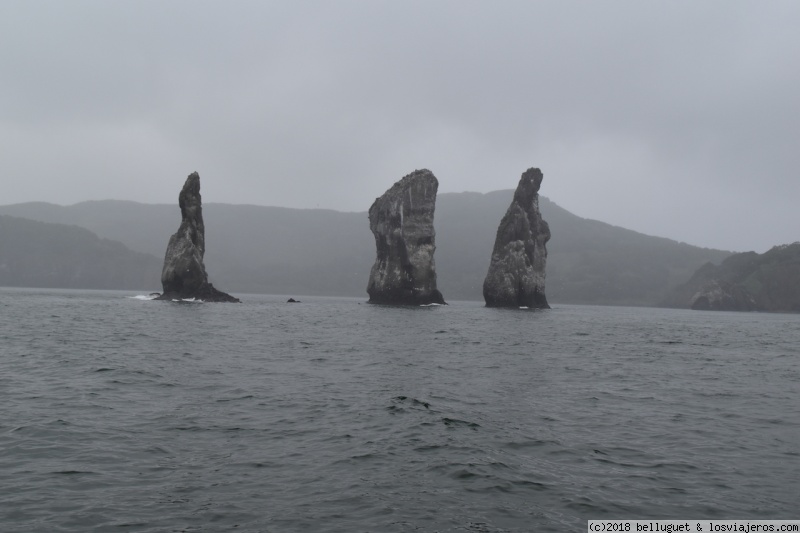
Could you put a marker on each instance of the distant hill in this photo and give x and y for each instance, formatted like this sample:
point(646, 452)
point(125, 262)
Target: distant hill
point(745, 282)
point(38, 254)
point(589, 262)
point(324, 252)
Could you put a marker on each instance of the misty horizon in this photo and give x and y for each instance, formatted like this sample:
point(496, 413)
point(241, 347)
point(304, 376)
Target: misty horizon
point(366, 209)
point(677, 119)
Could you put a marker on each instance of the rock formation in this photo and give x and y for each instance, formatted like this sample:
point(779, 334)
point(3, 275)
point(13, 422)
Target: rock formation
point(517, 270)
point(745, 282)
point(402, 222)
point(719, 295)
point(184, 274)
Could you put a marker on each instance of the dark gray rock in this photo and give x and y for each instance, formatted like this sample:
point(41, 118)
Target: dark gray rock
point(401, 220)
point(517, 270)
point(184, 274)
point(745, 282)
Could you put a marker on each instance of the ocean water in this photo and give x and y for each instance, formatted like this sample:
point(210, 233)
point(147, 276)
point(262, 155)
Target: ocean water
point(122, 414)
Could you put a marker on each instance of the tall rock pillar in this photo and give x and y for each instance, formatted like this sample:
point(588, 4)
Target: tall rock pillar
point(401, 220)
point(184, 274)
point(517, 269)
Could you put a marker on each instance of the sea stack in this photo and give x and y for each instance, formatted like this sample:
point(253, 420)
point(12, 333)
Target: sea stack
point(517, 270)
point(404, 272)
point(184, 274)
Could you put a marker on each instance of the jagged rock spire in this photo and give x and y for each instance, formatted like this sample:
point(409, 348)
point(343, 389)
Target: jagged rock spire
point(184, 274)
point(517, 269)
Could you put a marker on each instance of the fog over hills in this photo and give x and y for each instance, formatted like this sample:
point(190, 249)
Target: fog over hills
point(39, 254)
point(323, 252)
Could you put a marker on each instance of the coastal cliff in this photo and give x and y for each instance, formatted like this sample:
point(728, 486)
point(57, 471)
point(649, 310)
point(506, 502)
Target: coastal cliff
point(745, 282)
point(184, 274)
point(401, 220)
point(517, 268)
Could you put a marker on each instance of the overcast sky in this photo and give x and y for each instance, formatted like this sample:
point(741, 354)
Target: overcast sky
point(674, 118)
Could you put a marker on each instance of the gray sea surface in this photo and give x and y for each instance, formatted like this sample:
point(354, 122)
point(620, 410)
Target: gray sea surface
point(123, 414)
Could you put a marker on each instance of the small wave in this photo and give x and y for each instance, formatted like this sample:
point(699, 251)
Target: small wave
point(454, 422)
point(144, 297)
point(430, 305)
point(678, 467)
point(249, 396)
point(412, 401)
point(520, 445)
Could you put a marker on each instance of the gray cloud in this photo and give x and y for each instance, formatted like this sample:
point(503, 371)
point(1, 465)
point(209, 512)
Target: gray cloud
point(677, 119)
